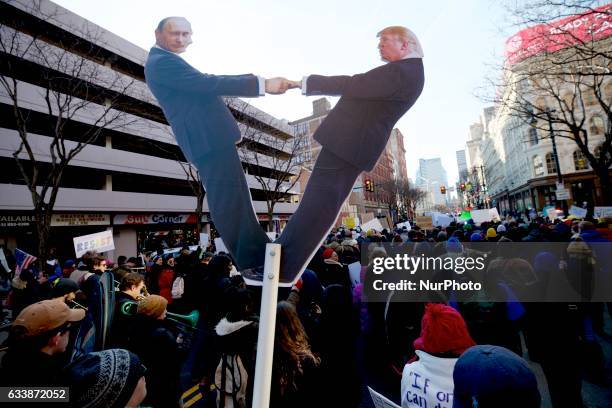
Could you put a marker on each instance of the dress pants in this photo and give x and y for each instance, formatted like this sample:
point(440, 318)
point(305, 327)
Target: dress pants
point(230, 205)
point(330, 183)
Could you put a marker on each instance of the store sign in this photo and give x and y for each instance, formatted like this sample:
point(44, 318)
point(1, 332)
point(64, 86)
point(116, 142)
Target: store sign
point(8, 221)
point(70, 220)
point(99, 242)
point(143, 219)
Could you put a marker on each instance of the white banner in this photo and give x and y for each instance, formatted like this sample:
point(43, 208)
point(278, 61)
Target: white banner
point(489, 214)
point(601, 212)
point(577, 211)
point(441, 220)
point(99, 242)
point(404, 224)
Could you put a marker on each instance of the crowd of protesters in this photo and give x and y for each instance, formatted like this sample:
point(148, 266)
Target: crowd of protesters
point(330, 340)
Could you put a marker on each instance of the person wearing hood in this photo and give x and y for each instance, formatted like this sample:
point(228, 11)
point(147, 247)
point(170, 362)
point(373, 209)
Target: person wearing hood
point(427, 379)
point(237, 346)
point(155, 343)
point(494, 377)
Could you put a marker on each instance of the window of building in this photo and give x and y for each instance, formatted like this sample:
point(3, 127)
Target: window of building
point(588, 98)
point(580, 162)
point(596, 125)
point(533, 136)
point(538, 166)
point(551, 168)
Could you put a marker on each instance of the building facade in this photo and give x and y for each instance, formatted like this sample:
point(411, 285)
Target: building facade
point(132, 177)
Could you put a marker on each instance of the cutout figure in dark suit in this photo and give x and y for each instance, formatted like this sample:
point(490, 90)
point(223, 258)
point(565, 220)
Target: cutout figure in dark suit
point(353, 136)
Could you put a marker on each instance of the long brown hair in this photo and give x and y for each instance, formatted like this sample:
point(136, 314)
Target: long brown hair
point(291, 347)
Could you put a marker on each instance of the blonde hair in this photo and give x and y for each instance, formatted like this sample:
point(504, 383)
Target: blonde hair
point(416, 51)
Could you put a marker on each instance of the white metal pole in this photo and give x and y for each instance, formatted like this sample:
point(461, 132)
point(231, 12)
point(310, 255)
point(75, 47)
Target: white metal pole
point(267, 325)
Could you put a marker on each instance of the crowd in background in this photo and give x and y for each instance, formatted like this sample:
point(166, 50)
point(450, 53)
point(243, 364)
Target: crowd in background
point(330, 340)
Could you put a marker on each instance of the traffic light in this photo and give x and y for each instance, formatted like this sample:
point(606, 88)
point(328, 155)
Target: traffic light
point(369, 186)
point(443, 189)
point(462, 186)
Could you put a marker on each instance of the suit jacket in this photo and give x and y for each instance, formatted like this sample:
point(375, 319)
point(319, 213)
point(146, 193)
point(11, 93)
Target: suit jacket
point(192, 102)
point(358, 127)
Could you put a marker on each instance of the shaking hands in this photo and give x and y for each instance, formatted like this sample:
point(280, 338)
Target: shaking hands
point(279, 85)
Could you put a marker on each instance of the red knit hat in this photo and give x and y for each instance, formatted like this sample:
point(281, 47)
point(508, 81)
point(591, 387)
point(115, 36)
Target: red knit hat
point(443, 330)
point(327, 253)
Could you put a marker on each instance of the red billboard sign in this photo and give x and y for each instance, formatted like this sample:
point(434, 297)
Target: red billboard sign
point(559, 34)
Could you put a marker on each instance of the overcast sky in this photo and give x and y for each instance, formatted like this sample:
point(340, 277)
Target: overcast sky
point(461, 39)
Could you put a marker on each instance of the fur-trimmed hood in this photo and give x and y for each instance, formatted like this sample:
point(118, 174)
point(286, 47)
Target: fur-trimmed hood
point(225, 327)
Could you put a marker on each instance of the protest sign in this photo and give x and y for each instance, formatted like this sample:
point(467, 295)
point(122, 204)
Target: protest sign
point(601, 212)
point(380, 401)
point(424, 222)
point(465, 215)
point(577, 211)
point(552, 213)
point(99, 242)
point(204, 240)
point(494, 214)
point(441, 220)
point(220, 246)
point(404, 224)
point(355, 273)
point(486, 215)
point(372, 224)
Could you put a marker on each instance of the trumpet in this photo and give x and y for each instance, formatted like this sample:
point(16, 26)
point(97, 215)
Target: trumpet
point(190, 321)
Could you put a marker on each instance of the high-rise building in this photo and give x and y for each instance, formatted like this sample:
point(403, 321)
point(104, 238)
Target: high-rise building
point(462, 167)
point(431, 177)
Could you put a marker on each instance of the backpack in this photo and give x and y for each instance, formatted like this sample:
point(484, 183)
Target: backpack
point(178, 288)
point(231, 382)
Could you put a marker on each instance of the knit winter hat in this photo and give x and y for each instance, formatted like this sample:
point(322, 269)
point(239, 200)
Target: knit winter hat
point(104, 379)
point(491, 233)
point(328, 253)
point(493, 376)
point(152, 306)
point(476, 237)
point(443, 330)
point(501, 228)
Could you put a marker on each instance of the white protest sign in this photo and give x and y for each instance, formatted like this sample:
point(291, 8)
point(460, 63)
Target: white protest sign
point(494, 214)
point(404, 224)
point(601, 212)
point(355, 273)
point(99, 242)
point(552, 213)
point(577, 211)
point(380, 401)
point(204, 240)
point(372, 224)
point(220, 246)
point(480, 216)
point(441, 220)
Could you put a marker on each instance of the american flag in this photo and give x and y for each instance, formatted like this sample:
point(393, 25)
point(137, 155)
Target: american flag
point(23, 260)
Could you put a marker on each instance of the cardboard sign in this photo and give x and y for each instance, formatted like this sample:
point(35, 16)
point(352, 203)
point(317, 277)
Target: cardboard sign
point(220, 246)
point(601, 212)
point(577, 211)
point(380, 401)
point(372, 224)
point(424, 221)
point(99, 242)
point(355, 273)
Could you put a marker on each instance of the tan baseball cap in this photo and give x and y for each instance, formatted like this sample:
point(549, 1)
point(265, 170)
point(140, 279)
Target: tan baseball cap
point(47, 315)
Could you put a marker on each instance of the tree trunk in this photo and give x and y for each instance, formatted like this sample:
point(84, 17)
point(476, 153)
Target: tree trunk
point(270, 221)
point(42, 230)
point(198, 213)
point(606, 188)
